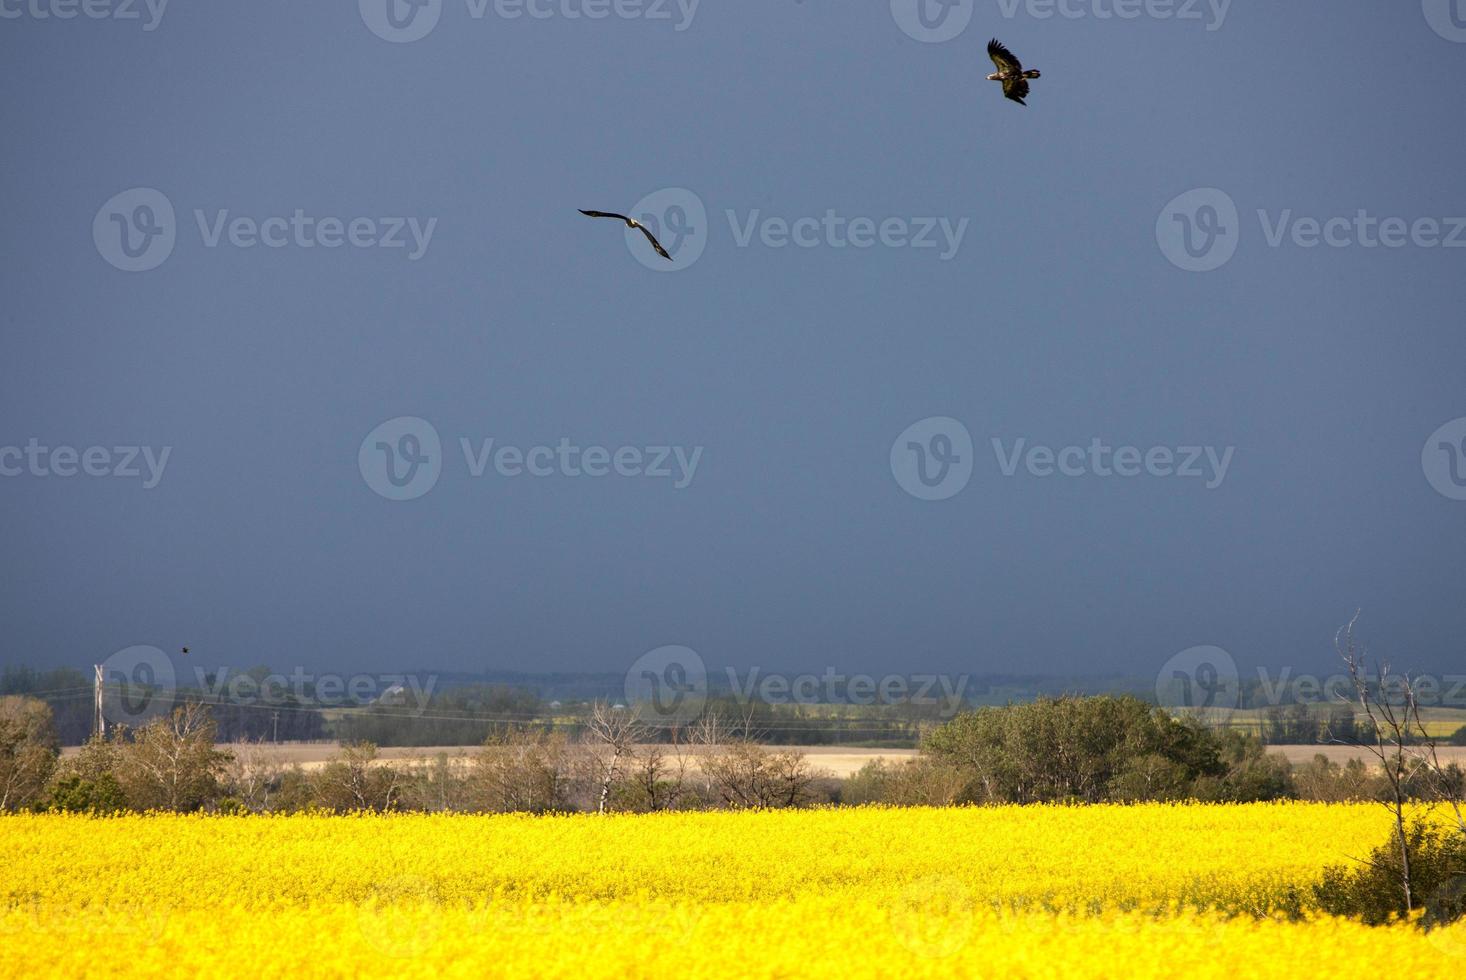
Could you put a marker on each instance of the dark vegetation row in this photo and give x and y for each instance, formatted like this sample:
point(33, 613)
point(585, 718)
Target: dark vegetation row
point(466, 713)
point(1054, 750)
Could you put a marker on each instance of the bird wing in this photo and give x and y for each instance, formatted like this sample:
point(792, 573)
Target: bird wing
point(1003, 58)
point(1016, 89)
point(603, 214)
point(655, 244)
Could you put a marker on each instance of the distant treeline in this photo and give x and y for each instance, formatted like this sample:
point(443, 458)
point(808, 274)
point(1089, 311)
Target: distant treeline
point(469, 715)
point(462, 709)
point(463, 713)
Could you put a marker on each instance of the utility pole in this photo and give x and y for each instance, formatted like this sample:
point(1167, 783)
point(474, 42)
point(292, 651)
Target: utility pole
point(275, 721)
point(99, 719)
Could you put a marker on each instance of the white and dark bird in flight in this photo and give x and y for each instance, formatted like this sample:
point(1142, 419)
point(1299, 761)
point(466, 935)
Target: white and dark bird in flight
point(630, 223)
point(1010, 72)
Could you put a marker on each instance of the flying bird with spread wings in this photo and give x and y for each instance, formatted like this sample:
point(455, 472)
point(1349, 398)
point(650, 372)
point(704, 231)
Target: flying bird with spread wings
point(630, 223)
point(1010, 72)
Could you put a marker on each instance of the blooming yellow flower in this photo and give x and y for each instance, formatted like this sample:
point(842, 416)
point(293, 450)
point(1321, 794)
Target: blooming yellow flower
point(1154, 890)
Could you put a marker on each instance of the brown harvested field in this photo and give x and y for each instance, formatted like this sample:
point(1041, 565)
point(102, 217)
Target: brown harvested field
point(1343, 753)
point(838, 761)
point(835, 760)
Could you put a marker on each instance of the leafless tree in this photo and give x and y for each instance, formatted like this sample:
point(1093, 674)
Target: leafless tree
point(659, 772)
point(708, 737)
point(736, 771)
point(1396, 737)
point(746, 775)
point(253, 773)
point(523, 771)
point(611, 734)
point(437, 783)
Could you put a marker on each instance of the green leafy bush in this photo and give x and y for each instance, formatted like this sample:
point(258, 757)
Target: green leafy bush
point(73, 793)
point(1374, 892)
point(1094, 749)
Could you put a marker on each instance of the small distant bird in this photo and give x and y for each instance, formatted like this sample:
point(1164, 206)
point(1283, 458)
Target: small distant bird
point(630, 223)
point(1010, 72)
point(185, 649)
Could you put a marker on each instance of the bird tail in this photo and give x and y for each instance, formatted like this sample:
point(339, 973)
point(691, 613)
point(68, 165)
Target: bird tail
point(1032, 73)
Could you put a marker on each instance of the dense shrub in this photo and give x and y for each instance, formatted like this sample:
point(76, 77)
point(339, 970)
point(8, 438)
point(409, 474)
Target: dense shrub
point(1373, 892)
point(351, 781)
point(1252, 773)
point(924, 781)
point(74, 793)
point(1092, 749)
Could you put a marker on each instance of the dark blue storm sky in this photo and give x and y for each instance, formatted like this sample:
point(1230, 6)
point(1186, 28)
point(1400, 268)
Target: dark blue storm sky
point(1333, 372)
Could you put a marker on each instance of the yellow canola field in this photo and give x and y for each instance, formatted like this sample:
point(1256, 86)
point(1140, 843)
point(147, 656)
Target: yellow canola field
point(1100, 891)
